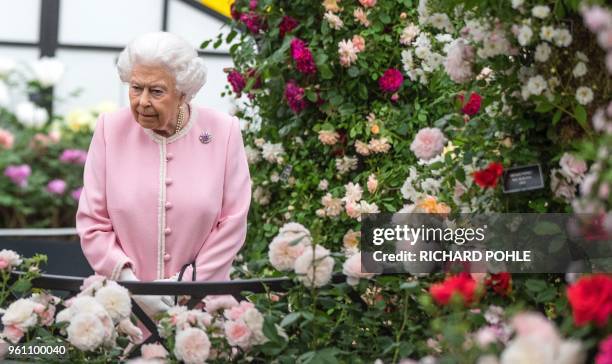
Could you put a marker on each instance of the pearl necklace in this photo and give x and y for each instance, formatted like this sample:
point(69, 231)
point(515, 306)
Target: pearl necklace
point(179, 120)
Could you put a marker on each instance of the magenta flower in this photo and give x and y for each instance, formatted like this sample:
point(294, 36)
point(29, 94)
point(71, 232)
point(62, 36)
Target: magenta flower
point(287, 25)
point(295, 96)
point(391, 80)
point(604, 356)
point(253, 4)
point(18, 174)
point(302, 57)
point(76, 194)
point(252, 21)
point(75, 156)
point(56, 187)
point(236, 80)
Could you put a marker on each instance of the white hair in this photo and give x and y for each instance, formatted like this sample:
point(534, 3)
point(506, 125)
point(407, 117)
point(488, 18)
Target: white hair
point(169, 50)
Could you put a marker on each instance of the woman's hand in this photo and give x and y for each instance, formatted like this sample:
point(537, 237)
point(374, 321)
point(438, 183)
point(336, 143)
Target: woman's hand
point(152, 305)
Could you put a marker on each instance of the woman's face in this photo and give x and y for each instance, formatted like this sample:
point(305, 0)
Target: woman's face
point(154, 99)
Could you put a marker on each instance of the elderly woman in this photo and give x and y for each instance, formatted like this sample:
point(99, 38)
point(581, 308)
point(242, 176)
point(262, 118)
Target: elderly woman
point(166, 183)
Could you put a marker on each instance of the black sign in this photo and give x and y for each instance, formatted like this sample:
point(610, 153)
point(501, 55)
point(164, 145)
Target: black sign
point(525, 178)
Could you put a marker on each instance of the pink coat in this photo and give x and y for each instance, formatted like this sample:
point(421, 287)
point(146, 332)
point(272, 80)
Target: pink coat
point(159, 203)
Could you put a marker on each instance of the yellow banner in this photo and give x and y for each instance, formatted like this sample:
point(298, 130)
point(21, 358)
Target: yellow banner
point(220, 6)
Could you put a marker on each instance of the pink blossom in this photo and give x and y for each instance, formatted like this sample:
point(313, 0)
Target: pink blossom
point(18, 174)
point(391, 80)
point(56, 187)
point(458, 63)
point(368, 3)
point(361, 16)
point(536, 325)
point(236, 312)
point(302, 57)
point(153, 351)
point(252, 21)
point(12, 333)
point(597, 18)
point(6, 139)
point(359, 43)
point(76, 193)
point(76, 156)
point(604, 356)
point(295, 96)
point(604, 38)
point(213, 304)
point(238, 334)
point(428, 143)
point(372, 183)
point(347, 52)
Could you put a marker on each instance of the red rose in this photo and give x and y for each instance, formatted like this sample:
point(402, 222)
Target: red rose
point(591, 299)
point(489, 176)
point(287, 25)
point(236, 80)
point(500, 282)
point(473, 105)
point(463, 285)
point(302, 57)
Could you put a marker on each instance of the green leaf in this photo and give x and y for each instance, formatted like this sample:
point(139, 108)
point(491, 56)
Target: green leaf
point(353, 71)
point(290, 318)
point(326, 72)
point(556, 117)
point(385, 18)
point(581, 115)
point(311, 96)
point(363, 92)
point(21, 286)
point(546, 228)
point(544, 107)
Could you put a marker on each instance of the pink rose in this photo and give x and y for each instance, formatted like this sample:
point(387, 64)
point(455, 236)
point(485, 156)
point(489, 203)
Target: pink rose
point(359, 43)
point(6, 139)
point(536, 325)
point(153, 351)
point(428, 143)
point(236, 312)
point(597, 18)
point(368, 3)
point(12, 333)
point(238, 334)
point(572, 167)
point(213, 304)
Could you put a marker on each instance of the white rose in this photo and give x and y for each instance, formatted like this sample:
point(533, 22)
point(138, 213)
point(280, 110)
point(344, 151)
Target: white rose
point(86, 331)
point(10, 258)
point(47, 71)
point(562, 37)
point(584, 95)
point(21, 314)
point(288, 245)
point(4, 95)
point(315, 268)
point(580, 70)
point(353, 270)
point(540, 11)
point(547, 33)
point(31, 115)
point(542, 52)
point(524, 35)
point(116, 300)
